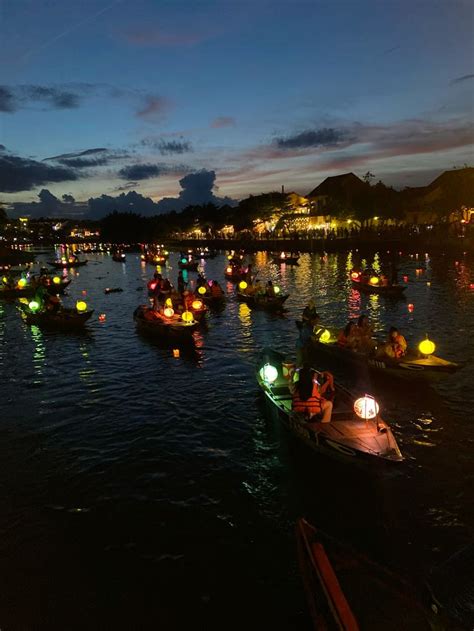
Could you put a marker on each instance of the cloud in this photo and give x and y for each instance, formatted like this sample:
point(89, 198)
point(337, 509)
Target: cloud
point(86, 152)
point(23, 174)
point(68, 199)
point(167, 147)
point(465, 77)
point(83, 159)
point(127, 186)
point(154, 108)
point(125, 202)
point(7, 100)
point(326, 137)
point(156, 37)
point(3, 148)
point(49, 206)
point(197, 188)
point(141, 171)
point(223, 121)
point(21, 96)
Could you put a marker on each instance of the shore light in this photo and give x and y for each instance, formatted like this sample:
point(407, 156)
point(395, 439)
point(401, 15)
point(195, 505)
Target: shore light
point(374, 280)
point(34, 306)
point(427, 347)
point(187, 316)
point(268, 373)
point(81, 306)
point(243, 284)
point(202, 290)
point(56, 280)
point(169, 312)
point(366, 407)
point(197, 304)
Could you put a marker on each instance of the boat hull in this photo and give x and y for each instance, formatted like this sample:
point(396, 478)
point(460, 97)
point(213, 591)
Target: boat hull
point(64, 319)
point(390, 290)
point(178, 330)
point(263, 302)
point(68, 265)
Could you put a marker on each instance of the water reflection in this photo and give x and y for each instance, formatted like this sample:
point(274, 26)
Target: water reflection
point(38, 354)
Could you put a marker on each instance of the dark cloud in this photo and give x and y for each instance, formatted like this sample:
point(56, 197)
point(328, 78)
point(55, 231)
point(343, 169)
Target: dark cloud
point(79, 154)
point(127, 186)
point(326, 137)
point(197, 188)
point(125, 202)
point(141, 171)
point(82, 159)
point(465, 77)
point(223, 121)
point(7, 100)
point(68, 199)
point(49, 206)
point(167, 147)
point(80, 163)
point(20, 96)
point(154, 108)
point(23, 174)
point(3, 148)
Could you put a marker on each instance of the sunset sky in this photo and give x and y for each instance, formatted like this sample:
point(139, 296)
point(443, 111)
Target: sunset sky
point(99, 97)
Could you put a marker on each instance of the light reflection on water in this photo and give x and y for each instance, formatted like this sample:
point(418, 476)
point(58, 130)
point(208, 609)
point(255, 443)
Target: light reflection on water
point(173, 458)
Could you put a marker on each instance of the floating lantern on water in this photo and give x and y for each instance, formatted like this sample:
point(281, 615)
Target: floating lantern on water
point(374, 280)
point(276, 289)
point(22, 283)
point(229, 256)
point(84, 292)
point(366, 407)
point(169, 312)
point(34, 306)
point(187, 316)
point(152, 286)
point(471, 286)
point(355, 275)
point(197, 305)
point(201, 290)
point(176, 352)
point(228, 270)
point(243, 285)
point(81, 306)
point(411, 307)
point(56, 280)
point(405, 279)
point(268, 373)
point(427, 347)
point(102, 317)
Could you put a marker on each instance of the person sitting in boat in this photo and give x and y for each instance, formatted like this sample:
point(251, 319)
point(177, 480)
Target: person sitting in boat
point(200, 281)
point(270, 290)
point(308, 388)
point(396, 346)
point(309, 312)
point(364, 333)
point(347, 338)
point(166, 287)
point(52, 303)
point(383, 279)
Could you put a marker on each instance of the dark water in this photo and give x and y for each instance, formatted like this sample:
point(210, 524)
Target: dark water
point(141, 491)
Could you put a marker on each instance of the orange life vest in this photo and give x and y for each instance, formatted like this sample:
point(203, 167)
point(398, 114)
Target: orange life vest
point(309, 407)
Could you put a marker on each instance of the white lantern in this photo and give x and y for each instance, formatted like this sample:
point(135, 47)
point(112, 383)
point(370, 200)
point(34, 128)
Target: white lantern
point(366, 407)
point(268, 373)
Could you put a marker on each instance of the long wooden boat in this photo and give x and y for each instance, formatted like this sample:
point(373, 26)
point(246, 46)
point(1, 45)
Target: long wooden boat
point(411, 366)
point(365, 443)
point(271, 303)
point(191, 266)
point(58, 288)
point(67, 264)
point(383, 290)
point(286, 260)
point(18, 292)
point(162, 326)
point(346, 590)
point(62, 319)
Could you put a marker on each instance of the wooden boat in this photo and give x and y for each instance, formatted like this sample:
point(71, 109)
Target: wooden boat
point(17, 292)
point(119, 257)
point(412, 365)
point(234, 273)
point(162, 326)
point(58, 288)
point(62, 319)
point(346, 590)
point(258, 301)
point(67, 264)
point(384, 290)
point(191, 266)
point(365, 443)
point(278, 259)
point(214, 302)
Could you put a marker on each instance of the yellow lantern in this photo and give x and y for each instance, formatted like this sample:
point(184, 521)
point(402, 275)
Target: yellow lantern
point(22, 283)
point(366, 407)
point(228, 270)
point(168, 302)
point(427, 347)
point(243, 285)
point(56, 280)
point(325, 336)
point(374, 280)
point(176, 352)
point(197, 305)
point(169, 312)
point(34, 306)
point(81, 306)
point(202, 290)
point(5, 279)
point(187, 316)
point(276, 289)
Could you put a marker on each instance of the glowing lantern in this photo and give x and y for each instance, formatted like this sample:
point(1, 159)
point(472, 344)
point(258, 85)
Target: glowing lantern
point(71, 260)
point(427, 347)
point(374, 280)
point(102, 317)
point(84, 292)
point(56, 280)
point(354, 275)
point(142, 257)
point(187, 316)
point(34, 306)
point(183, 260)
point(282, 255)
point(201, 290)
point(24, 301)
point(405, 279)
point(197, 304)
point(166, 252)
point(325, 336)
point(168, 302)
point(268, 373)
point(366, 407)
point(228, 270)
point(152, 286)
point(169, 312)
point(243, 285)
point(5, 279)
point(411, 307)
point(229, 256)
point(471, 286)
point(276, 289)
point(428, 284)
point(81, 306)
point(176, 352)
point(22, 283)
point(63, 261)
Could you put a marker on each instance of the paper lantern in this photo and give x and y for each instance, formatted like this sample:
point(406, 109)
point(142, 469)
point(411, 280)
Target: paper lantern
point(22, 283)
point(187, 316)
point(276, 289)
point(427, 347)
point(169, 312)
point(168, 302)
point(229, 256)
point(366, 407)
point(197, 305)
point(81, 306)
point(325, 336)
point(34, 306)
point(5, 279)
point(282, 255)
point(354, 275)
point(243, 285)
point(228, 270)
point(374, 280)
point(411, 307)
point(176, 352)
point(405, 279)
point(56, 280)
point(183, 261)
point(102, 317)
point(268, 373)
point(201, 290)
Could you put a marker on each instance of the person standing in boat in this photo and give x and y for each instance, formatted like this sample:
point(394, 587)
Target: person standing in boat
point(308, 393)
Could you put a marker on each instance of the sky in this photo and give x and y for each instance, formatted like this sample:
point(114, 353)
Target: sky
point(105, 97)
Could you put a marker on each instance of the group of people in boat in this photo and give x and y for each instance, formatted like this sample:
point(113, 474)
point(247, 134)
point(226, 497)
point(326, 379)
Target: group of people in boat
point(359, 337)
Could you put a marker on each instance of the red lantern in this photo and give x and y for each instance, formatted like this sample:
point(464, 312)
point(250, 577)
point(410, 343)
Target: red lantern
point(102, 317)
point(405, 279)
point(411, 307)
point(84, 292)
